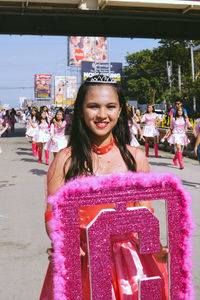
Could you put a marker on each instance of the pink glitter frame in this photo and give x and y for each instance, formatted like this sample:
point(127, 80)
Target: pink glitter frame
point(121, 189)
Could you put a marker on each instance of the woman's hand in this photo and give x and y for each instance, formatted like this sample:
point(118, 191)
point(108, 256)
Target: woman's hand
point(50, 252)
point(162, 256)
point(195, 150)
point(142, 138)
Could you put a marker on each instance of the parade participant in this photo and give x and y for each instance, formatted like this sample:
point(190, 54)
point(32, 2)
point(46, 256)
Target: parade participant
point(197, 143)
point(98, 145)
point(2, 131)
point(172, 113)
point(178, 136)
point(150, 129)
point(32, 129)
point(6, 120)
point(42, 136)
point(12, 119)
point(49, 114)
point(134, 128)
point(58, 140)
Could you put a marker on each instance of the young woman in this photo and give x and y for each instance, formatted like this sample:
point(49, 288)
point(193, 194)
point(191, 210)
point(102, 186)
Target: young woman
point(134, 128)
point(99, 145)
point(48, 113)
point(150, 129)
point(32, 129)
point(178, 136)
point(58, 140)
point(42, 136)
point(6, 120)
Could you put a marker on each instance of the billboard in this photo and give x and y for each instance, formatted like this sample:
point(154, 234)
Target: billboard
point(42, 86)
point(87, 48)
point(89, 69)
point(60, 90)
point(65, 90)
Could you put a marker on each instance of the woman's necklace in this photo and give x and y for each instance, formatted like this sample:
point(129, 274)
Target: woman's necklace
point(104, 149)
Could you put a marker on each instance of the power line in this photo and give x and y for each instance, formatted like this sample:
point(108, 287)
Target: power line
point(16, 88)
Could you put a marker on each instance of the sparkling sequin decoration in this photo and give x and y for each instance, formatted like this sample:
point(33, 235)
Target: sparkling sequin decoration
point(119, 189)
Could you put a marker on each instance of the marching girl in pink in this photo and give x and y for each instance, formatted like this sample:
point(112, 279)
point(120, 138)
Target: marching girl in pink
point(150, 129)
point(42, 136)
point(134, 128)
point(32, 129)
point(178, 136)
point(58, 140)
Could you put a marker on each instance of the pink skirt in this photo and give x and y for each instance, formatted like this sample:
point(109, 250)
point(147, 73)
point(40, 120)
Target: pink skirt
point(127, 267)
point(134, 142)
point(179, 139)
point(150, 131)
point(59, 144)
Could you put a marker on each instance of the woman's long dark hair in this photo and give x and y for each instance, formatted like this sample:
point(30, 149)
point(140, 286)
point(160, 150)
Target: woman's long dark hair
point(39, 117)
point(153, 108)
point(81, 161)
point(63, 115)
point(183, 115)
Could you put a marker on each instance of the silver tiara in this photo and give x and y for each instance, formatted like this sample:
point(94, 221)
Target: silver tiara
point(101, 79)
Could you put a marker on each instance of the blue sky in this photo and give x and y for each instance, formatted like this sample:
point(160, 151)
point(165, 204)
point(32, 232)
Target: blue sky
point(23, 56)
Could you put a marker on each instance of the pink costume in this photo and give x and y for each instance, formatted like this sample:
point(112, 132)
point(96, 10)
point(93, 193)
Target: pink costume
point(178, 131)
point(31, 131)
point(128, 265)
point(132, 126)
point(135, 119)
point(150, 130)
point(58, 135)
point(42, 134)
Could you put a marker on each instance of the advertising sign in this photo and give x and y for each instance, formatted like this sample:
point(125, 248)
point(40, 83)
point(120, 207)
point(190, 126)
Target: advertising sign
point(89, 69)
point(43, 86)
point(87, 48)
point(60, 90)
point(65, 90)
point(71, 89)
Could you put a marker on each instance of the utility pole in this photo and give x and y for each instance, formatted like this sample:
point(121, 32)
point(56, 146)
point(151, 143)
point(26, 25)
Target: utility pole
point(169, 74)
point(192, 64)
point(179, 78)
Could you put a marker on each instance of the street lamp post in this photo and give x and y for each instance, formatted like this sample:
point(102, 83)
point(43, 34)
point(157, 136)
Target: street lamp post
point(192, 64)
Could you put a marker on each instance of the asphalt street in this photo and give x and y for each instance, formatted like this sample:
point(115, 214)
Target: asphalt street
point(23, 239)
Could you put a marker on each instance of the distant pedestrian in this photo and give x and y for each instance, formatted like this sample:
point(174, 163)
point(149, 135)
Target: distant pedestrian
point(150, 129)
point(178, 136)
point(58, 140)
point(32, 129)
point(42, 135)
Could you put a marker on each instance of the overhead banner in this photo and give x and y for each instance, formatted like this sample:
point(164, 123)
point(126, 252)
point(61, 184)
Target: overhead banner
point(43, 86)
point(87, 48)
point(89, 69)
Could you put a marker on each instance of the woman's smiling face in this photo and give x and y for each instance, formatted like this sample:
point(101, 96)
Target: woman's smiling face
point(101, 109)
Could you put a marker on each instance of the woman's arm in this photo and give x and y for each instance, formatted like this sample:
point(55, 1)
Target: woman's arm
point(56, 178)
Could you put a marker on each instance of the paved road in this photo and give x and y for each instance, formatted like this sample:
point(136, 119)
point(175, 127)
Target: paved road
point(23, 240)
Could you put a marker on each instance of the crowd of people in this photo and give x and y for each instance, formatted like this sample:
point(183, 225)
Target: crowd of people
point(49, 129)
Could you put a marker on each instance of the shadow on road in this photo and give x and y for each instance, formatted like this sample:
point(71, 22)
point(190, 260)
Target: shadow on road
point(189, 183)
point(24, 149)
point(161, 164)
point(23, 153)
point(38, 172)
point(17, 133)
point(28, 160)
